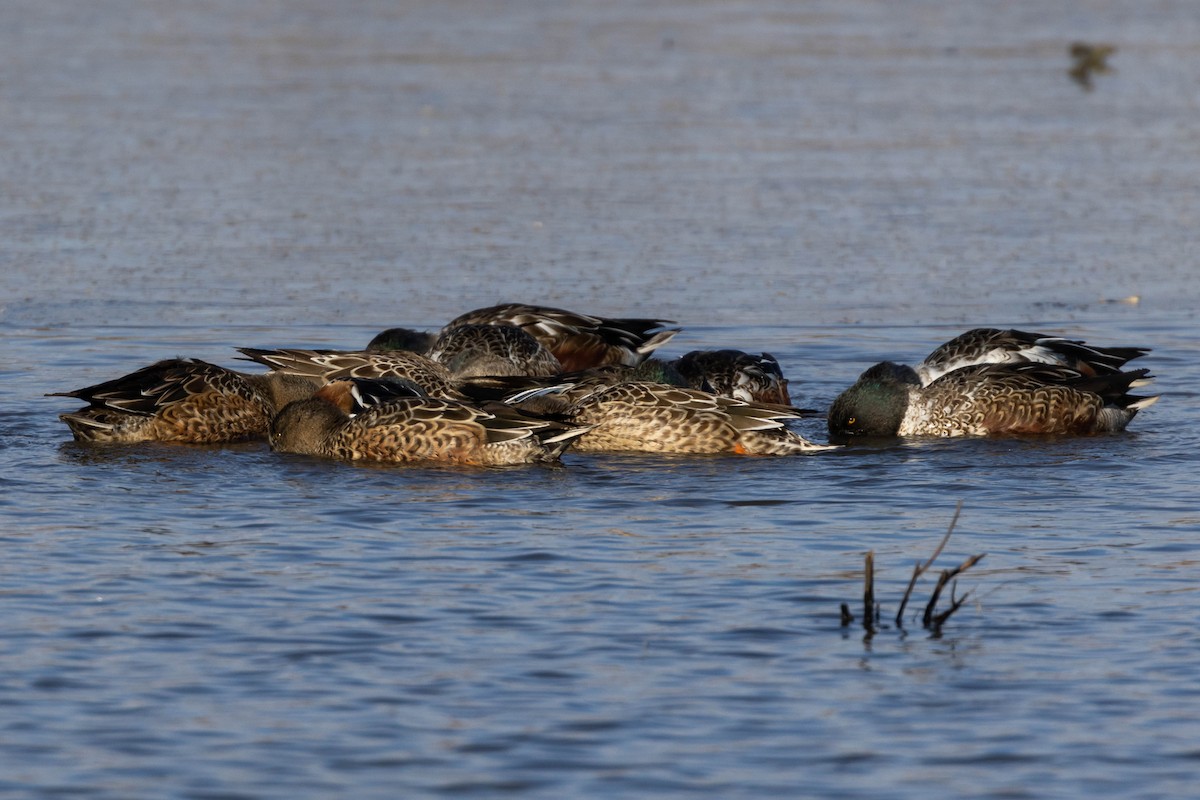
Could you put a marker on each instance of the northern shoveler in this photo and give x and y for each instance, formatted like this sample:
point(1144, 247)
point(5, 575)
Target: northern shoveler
point(417, 430)
point(654, 418)
point(986, 399)
point(473, 350)
point(578, 341)
point(733, 373)
point(182, 400)
point(332, 365)
point(1008, 346)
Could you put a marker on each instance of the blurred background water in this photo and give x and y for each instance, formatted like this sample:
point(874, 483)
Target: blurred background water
point(835, 183)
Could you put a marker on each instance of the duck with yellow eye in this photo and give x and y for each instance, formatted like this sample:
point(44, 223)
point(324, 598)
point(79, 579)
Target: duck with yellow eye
point(876, 404)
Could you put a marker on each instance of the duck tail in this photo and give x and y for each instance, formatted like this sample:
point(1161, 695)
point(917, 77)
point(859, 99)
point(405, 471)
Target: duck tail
point(1142, 402)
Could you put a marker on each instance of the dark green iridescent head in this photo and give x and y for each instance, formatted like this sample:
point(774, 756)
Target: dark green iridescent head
point(875, 405)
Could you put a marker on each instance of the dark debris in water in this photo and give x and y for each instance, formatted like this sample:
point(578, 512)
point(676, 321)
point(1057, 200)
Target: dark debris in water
point(1090, 59)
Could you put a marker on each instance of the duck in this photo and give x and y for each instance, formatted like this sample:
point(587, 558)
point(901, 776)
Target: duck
point(578, 341)
point(645, 417)
point(890, 400)
point(182, 400)
point(326, 366)
point(1011, 346)
point(725, 373)
point(473, 350)
point(735, 374)
point(333, 423)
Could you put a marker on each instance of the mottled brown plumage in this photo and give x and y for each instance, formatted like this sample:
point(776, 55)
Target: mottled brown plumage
point(654, 418)
point(474, 350)
point(417, 430)
point(733, 373)
point(987, 399)
point(578, 341)
point(332, 365)
point(183, 400)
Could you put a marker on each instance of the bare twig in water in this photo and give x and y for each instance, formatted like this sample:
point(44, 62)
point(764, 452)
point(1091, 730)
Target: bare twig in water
point(869, 590)
point(919, 569)
point(947, 575)
point(955, 604)
point(931, 619)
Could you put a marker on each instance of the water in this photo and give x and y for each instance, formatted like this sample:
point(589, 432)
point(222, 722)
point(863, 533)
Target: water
point(833, 183)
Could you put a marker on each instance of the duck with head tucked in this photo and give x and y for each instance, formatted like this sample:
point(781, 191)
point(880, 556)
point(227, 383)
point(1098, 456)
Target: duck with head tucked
point(473, 350)
point(641, 417)
point(578, 341)
point(736, 374)
point(183, 400)
point(990, 381)
point(987, 399)
point(415, 429)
